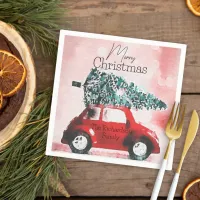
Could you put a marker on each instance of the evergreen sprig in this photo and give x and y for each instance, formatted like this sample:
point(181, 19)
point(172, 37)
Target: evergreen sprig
point(26, 170)
point(36, 20)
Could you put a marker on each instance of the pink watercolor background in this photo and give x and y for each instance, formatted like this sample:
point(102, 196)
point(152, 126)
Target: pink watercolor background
point(161, 80)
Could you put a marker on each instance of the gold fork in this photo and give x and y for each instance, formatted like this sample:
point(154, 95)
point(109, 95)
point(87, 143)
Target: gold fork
point(173, 131)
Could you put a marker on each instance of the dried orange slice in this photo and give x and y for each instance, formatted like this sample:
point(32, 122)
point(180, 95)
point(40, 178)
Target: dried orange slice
point(1, 100)
point(192, 191)
point(194, 6)
point(12, 74)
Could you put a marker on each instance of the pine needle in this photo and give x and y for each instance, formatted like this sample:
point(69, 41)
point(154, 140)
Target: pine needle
point(26, 169)
point(36, 20)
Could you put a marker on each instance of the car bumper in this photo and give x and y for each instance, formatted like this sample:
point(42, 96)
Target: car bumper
point(64, 139)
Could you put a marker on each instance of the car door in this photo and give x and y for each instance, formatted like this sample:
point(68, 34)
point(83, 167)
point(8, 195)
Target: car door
point(92, 120)
point(114, 128)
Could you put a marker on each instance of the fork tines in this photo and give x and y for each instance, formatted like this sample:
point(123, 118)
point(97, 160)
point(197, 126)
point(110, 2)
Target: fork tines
point(176, 117)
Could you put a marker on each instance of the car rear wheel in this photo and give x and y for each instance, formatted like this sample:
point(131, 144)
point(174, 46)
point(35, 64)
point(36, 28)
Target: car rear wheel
point(80, 142)
point(140, 149)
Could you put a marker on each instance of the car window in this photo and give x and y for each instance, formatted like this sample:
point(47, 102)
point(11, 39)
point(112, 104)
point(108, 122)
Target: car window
point(114, 115)
point(93, 113)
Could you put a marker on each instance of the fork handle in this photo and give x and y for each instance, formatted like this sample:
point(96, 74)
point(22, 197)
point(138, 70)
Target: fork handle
point(159, 179)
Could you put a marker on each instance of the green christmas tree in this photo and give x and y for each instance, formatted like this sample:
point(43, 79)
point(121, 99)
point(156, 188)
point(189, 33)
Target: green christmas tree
point(108, 89)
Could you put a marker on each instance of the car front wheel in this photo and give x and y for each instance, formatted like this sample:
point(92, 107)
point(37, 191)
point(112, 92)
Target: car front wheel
point(80, 142)
point(140, 149)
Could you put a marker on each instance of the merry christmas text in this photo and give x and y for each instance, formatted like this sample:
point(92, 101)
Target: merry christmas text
point(126, 62)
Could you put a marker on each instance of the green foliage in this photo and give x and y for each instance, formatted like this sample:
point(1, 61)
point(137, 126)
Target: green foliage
point(26, 169)
point(36, 20)
point(109, 89)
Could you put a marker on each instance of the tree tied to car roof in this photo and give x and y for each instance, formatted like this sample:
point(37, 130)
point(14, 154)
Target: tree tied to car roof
point(109, 89)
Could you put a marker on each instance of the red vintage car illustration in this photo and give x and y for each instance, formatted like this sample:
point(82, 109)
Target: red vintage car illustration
point(110, 127)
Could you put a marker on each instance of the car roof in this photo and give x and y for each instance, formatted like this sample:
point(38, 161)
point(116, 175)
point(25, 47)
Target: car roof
point(109, 106)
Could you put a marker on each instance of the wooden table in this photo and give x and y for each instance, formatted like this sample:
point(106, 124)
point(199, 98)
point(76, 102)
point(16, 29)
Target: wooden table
point(167, 20)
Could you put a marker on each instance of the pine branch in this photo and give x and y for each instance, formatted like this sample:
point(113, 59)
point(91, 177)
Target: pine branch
point(26, 169)
point(36, 20)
